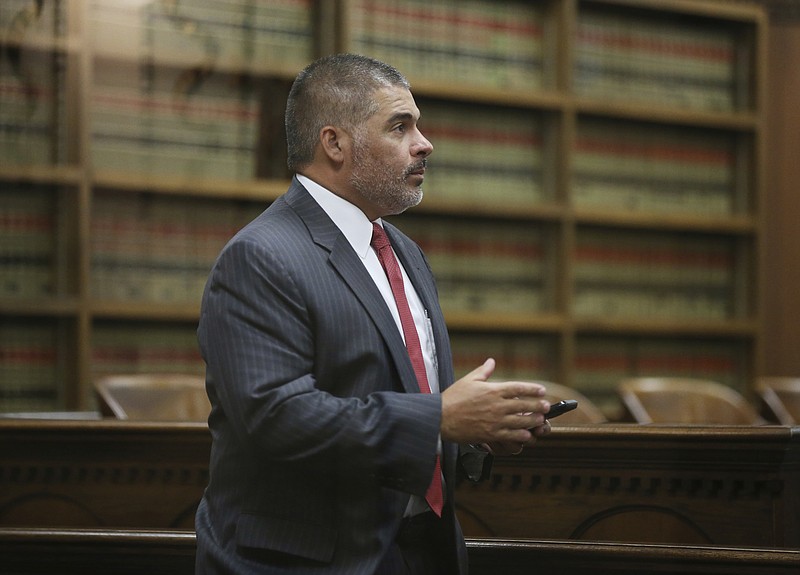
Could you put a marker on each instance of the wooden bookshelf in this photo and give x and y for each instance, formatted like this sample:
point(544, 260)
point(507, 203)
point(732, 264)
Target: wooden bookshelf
point(600, 150)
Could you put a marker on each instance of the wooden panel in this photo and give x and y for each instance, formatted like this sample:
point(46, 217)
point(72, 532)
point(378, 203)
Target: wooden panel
point(726, 485)
point(43, 552)
point(782, 205)
point(102, 473)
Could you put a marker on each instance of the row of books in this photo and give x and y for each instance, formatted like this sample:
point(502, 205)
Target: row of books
point(228, 34)
point(155, 248)
point(653, 275)
point(652, 59)
point(31, 371)
point(32, 20)
point(654, 169)
point(602, 362)
point(32, 355)
point(517, 356)
point(145, 348)
point(619, 55)
point(158, 248)
point(30, 367)
point(27, 241)
point(498, 152)
point(158, 121)
point(31, 108)
point(663, 303)
point(477, 42)
point(659, 259)
point(490, 267)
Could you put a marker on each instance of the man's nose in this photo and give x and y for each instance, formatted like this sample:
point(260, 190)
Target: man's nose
point(424, 147)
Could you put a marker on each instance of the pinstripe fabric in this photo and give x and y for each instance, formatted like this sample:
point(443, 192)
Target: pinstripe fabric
point(320, 434)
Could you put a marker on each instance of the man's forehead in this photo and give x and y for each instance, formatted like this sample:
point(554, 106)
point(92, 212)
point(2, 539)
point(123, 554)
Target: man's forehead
point(395, 100)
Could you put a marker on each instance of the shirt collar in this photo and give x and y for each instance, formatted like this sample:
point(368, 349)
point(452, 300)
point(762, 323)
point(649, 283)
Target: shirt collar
point(355, 226)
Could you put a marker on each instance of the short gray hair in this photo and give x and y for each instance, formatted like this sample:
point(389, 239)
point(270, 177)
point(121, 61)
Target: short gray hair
point(335, 90)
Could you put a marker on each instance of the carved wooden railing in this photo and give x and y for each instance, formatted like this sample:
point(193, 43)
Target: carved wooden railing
point(737, 486)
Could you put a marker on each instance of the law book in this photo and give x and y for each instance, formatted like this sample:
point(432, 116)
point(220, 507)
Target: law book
point(516, 357)
point(603, 362)
point(29, 366)
point(714, 360)
point(223, 34)
point(532, 357)
point(654, 169)
point(159, 248)
point(667, 62)
point(496, 157)
point(629, 274)
point(492, 267)
point(145, 348)
point(26, 22)
point(474, 42)
point(146, 120)
point(27, 242)
point(31, 117)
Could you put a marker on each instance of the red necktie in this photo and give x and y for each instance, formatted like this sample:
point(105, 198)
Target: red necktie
point(380, 242)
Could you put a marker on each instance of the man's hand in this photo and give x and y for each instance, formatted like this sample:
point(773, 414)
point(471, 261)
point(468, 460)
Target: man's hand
point(503, 415)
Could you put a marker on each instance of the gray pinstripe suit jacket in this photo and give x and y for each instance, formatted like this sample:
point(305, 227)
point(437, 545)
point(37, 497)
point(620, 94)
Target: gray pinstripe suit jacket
point(319, 431)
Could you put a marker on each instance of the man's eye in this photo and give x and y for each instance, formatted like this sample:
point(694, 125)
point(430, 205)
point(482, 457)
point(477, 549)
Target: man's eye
point(400, 128)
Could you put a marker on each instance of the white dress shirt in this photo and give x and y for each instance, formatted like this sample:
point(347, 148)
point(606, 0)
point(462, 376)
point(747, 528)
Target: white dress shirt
point(358, 230)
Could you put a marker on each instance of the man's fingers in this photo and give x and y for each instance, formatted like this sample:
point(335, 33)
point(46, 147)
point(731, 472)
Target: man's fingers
point(514, 389)
point(526, 406)
point(482, 372)
point(526, 420)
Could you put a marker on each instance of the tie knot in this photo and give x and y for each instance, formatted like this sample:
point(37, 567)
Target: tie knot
point(379, 238)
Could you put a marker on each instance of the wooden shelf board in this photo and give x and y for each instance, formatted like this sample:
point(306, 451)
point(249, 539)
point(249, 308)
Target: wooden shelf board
point(503, 322)
point(685, 222)
point(39, 307)
point(653, 112)
point(266, 190)
point(515, 97)
point(146, 311)
point(432, 205)
point(656, 327)
point(43, 174)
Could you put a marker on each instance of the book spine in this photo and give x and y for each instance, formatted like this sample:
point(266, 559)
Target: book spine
point(222, 34)
point(654, 169)
point(653, 276)
point(498, 150)
point(474, 42)
point(163, 130)
point(143, 348)
point(663, 61)
point(27, 242)
point(156, 249)
point(487, 268)
point(28, 367)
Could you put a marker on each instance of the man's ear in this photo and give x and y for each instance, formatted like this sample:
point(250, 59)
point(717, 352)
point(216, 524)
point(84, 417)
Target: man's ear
point(334, 142)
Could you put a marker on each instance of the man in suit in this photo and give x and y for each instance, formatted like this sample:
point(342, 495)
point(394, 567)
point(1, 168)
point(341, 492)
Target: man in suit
point(327, 437)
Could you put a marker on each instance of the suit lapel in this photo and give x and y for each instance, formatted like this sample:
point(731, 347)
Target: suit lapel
point(352, 271)
point(349, 267)
point(420, 276)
